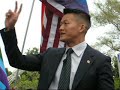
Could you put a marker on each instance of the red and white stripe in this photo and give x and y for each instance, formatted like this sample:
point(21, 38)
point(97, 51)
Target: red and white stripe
point(52, 13)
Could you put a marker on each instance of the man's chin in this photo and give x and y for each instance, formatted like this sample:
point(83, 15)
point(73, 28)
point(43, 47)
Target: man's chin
point(62, 40)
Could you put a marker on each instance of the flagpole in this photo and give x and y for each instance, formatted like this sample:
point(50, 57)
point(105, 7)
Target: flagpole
point(25, 37)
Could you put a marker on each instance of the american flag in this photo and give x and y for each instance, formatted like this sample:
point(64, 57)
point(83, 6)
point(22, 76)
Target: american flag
point(52, 12)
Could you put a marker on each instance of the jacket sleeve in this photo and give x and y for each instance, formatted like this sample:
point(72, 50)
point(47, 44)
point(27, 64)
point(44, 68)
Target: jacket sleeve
point(15, 57)
point(105, 75)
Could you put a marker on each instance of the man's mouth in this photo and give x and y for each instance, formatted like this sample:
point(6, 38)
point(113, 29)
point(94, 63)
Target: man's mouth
point(62, 33)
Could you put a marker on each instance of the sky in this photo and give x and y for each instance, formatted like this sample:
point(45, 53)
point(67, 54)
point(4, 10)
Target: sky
point(34, 31)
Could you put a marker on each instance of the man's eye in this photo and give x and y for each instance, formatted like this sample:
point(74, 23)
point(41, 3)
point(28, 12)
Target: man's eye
point(66, 23)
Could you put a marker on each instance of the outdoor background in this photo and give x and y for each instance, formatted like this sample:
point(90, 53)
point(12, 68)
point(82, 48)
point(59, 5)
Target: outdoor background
point(104, 35)
point(34, 31)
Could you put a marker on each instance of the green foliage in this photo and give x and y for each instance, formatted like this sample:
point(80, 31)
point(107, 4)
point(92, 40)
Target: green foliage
point(117, 83)
point(115, 68)
point(27, 80)
point(33, 51)
point(108, 13)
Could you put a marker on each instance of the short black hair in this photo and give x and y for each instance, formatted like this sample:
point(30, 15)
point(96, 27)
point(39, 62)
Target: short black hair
point(83, 14)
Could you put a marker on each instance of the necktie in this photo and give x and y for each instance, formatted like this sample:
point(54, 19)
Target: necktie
point(65, 73)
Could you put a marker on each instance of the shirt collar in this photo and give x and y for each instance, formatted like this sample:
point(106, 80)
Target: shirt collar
point(79, 48)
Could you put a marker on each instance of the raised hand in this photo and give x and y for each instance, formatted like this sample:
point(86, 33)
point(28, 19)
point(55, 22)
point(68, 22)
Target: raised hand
point(12, 17)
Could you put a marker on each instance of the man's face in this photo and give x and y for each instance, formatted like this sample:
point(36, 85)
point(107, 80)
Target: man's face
point(69, 28)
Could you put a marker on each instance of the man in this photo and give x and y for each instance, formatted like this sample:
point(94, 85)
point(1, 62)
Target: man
point(84, 68)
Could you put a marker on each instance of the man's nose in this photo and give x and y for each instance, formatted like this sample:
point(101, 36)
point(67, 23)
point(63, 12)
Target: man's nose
point(61, 27)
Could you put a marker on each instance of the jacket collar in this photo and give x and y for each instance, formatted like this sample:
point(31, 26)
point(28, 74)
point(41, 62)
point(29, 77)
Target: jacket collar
point(84, 65)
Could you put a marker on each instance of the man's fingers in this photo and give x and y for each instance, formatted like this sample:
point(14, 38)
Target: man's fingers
point(8, 14)
point(20, 9)
point(15, 13)
point(16, 6)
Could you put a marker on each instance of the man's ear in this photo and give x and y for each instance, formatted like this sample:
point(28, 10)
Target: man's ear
point(82, 27)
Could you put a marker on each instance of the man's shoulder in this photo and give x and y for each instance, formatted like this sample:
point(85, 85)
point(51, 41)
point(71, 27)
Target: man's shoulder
point(96, 52)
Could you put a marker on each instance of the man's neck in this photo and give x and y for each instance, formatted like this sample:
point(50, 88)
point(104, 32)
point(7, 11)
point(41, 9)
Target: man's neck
point(72, 44)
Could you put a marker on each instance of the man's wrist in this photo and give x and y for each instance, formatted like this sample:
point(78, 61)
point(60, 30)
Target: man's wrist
point(6, 29)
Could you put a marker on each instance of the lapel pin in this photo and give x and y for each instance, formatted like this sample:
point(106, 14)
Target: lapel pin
point(88, 61)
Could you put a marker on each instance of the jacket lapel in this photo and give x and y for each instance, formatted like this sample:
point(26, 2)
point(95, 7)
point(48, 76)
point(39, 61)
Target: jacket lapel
point(83, 67)
point(54, 63)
